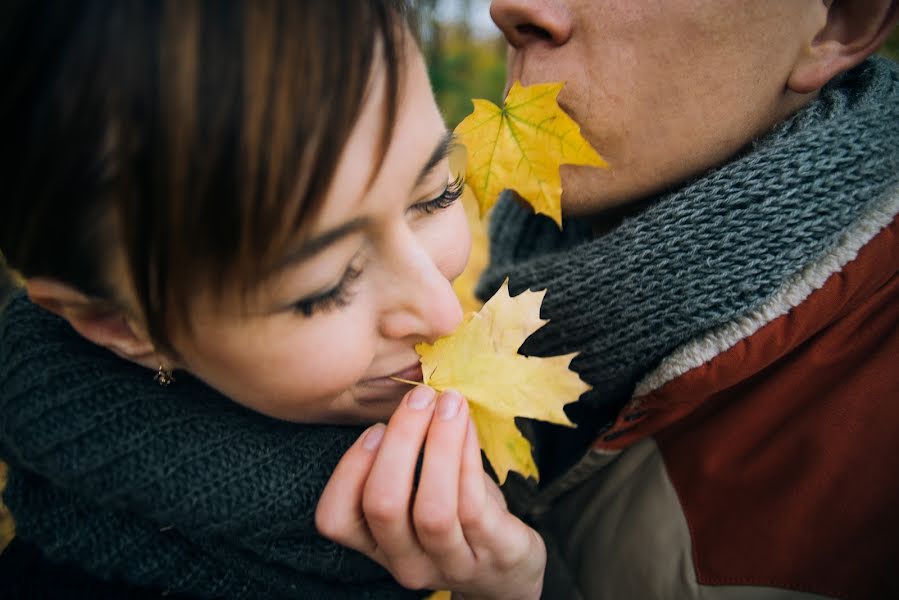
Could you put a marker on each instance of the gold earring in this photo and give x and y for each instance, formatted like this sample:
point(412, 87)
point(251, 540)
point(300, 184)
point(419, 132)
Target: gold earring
point(163, 376)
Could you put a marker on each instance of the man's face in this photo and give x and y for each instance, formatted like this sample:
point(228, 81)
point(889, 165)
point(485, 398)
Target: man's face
point(664, 89)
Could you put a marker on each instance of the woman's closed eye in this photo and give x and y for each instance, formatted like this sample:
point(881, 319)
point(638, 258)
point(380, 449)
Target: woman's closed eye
point(337, 297)
point(450, 194)
point(341, 294)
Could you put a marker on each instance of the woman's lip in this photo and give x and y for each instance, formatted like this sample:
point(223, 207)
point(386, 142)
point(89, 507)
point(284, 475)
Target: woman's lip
point(410, 373)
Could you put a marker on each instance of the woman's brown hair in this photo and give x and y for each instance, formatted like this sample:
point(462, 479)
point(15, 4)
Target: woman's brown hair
point(197, 135)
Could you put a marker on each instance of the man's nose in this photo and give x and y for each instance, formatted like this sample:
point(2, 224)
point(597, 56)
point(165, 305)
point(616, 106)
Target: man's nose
point(528, 21)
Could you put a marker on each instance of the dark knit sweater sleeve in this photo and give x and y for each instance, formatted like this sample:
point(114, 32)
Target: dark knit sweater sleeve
point(222, 496)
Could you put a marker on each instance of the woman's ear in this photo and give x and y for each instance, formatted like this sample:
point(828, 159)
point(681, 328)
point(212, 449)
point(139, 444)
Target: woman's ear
point(853, 31)
point(95, 320)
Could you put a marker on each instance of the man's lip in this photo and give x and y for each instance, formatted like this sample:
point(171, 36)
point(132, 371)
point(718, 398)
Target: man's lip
point(410, 373)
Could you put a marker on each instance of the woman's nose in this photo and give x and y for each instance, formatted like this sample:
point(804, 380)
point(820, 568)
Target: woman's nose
point(423, 304)
point(527, 21)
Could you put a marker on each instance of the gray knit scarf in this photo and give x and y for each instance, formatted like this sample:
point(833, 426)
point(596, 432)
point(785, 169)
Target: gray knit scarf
point(701, 255)
point(176, 488)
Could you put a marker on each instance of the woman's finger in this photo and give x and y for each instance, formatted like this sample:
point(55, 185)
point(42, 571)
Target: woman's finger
point(494, 492)
point(473, 492)
point(434, 513)
point(488, 526)
point(338, 515)
point(387, 496)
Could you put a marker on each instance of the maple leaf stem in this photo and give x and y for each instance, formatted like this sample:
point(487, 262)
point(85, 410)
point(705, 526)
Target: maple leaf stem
point(401, 380)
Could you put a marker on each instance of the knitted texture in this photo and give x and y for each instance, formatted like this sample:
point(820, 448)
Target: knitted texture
point(701, 255)
point(176, 488)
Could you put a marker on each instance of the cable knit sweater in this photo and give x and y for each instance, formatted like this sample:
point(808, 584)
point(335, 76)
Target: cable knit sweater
point(175, 488)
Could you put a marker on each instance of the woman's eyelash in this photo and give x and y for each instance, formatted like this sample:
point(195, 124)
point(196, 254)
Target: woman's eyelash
point(452, 193)
point(337, 297)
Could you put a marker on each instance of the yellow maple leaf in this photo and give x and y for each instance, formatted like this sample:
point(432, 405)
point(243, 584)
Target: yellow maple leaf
point(521, 147)
point(481, 361)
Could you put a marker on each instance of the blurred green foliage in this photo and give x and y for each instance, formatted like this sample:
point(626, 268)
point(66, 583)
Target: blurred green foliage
point(462, 65)
point(462, 68)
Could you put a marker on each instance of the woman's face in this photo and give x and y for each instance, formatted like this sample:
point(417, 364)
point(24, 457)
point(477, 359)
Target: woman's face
point(370, 279)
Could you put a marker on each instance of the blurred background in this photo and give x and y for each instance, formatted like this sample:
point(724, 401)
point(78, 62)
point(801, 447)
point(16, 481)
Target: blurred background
point(466, 54)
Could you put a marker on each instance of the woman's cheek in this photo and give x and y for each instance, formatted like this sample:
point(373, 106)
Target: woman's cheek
point(344, 347)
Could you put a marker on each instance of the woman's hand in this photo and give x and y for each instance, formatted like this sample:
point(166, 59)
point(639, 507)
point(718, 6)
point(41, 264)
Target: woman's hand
point(450, 531)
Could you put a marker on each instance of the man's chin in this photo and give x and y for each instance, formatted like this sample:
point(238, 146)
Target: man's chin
point(590, 192)
point(585, 191)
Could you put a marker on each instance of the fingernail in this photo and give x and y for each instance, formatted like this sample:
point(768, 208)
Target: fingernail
point(421, 397)
point(371, 439)
point(448, 405)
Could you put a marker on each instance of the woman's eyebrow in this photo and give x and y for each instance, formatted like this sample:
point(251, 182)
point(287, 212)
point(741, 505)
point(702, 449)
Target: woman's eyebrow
point(443, 148)
point(320, 242)
point(315, 245)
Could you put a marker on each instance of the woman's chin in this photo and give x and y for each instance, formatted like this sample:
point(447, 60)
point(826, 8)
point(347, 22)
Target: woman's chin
point(376, 403)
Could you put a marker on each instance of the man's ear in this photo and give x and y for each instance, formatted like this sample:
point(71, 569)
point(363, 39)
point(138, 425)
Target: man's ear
point(854, 30)
point(96, 320)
